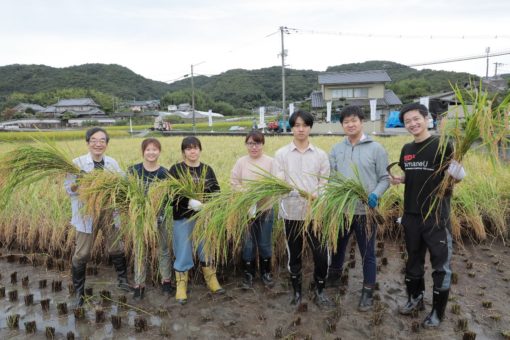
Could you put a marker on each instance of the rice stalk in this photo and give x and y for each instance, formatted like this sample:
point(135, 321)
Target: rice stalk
point(127, 197)
point(30, 163)
point(224, 220)
point(187, 185)
point(213, 229)
point(334, 209)
point(391, 207)
point(483, 127)
point(468, 218)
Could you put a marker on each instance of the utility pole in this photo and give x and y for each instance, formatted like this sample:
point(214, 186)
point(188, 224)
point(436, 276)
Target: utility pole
point(487, 51)
point(496, 68)
point(193, 95)
point(283, 55)
point(193, 100)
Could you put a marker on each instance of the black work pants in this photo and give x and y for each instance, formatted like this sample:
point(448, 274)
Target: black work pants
point(435, 236)
point(294, 234)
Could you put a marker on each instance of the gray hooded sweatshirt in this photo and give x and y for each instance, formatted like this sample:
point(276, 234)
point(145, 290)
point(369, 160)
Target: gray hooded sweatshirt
point(371, 160)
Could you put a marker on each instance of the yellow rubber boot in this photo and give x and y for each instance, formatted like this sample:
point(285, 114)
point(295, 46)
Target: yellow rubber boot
point(181, 281)
point(212, 281)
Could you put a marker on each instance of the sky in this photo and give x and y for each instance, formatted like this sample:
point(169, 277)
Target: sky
point(161, 39)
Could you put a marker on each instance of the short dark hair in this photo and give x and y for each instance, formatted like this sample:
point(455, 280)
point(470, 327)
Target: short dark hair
point(411, 107)
point(351, 110)
point(256, 136)
point(305, 116)
point(148, 141)
point(95, 130)
point(189, 142)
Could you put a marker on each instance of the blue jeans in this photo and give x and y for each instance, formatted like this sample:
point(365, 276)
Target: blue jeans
point(366, 245)
point(259, 236)
point(183, 247)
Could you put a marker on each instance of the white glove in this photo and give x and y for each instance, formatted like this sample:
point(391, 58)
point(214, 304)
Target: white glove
point(195, 205)
point(253, 211)
point(294, 193)
point(456, 170)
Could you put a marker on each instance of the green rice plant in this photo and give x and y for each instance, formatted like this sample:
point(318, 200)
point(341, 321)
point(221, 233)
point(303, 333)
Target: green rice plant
point(334, 209)
point(31, 163)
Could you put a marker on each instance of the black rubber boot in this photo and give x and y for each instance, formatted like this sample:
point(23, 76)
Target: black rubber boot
point(265, 272)
point(415, 290)
point(120, 264)
point(167, 288)
point(78, 276)
point(439, 301)
point(295, 279)
point(334, 276)
point(366, 302)
point(249, 273)
point(138, 293)
point(320, 298)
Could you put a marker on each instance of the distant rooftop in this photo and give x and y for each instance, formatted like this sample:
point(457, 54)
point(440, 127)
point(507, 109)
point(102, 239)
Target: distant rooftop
point(376, 76)
point(76, 102)
point(24, 106)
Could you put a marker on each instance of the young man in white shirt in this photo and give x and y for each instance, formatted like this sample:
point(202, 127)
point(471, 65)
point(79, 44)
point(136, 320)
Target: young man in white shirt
point(304, 165)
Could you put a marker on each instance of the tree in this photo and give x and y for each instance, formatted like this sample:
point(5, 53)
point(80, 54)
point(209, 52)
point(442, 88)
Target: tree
point(223, 108)
point(8, 114)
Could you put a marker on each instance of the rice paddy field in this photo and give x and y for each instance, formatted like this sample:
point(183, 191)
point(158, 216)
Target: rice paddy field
point(36, 242)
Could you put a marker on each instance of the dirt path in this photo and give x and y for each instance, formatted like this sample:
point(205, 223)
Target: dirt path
point(483, 275)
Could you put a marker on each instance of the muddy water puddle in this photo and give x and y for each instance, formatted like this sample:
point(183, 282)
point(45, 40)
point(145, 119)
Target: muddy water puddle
point(480, 294)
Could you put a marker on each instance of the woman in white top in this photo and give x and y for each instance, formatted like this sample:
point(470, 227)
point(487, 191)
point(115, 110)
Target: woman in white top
point(258, 235)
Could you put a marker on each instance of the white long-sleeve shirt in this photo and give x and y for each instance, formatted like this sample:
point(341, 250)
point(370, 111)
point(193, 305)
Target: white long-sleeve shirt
point(308, 170)
point(86, 163)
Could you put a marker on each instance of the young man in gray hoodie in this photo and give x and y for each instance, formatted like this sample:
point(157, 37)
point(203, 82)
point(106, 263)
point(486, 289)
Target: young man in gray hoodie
point(369, 157)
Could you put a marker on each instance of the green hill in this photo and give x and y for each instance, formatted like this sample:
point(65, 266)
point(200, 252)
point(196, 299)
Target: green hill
point(112, 79)
point(238, 87)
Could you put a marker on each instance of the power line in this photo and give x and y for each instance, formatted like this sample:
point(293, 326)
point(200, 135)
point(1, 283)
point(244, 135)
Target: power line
point(451, 60)
point(400, 36)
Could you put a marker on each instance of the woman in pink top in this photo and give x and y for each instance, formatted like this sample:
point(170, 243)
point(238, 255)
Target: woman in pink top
point(258, 236)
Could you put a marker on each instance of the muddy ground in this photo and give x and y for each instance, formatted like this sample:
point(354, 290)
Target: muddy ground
point(481, 293)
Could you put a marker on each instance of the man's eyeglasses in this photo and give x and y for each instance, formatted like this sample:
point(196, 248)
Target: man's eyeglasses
point(98, 141)
point(253, 144)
